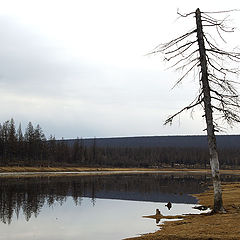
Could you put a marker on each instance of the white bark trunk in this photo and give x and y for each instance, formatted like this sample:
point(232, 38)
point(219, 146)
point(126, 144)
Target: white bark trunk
point(218, 204)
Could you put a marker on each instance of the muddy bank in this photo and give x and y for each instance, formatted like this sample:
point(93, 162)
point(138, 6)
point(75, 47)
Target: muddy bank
point(205, 226)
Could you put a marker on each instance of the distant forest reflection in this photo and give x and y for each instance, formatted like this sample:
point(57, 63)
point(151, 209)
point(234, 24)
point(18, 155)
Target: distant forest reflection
point(30, 194)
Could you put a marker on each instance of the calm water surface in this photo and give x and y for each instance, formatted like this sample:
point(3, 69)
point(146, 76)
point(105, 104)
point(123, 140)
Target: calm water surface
point(105, 207)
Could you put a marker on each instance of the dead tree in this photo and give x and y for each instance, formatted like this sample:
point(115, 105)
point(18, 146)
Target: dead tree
point(197, 52)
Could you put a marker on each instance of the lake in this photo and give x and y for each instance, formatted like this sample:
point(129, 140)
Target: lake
point(95, 206)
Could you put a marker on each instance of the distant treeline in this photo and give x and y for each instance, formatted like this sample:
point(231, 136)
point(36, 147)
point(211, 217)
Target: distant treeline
point(179, 141)
point(32, 148)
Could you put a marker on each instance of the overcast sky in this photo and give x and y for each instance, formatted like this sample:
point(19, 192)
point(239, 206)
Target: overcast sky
point(79, 68)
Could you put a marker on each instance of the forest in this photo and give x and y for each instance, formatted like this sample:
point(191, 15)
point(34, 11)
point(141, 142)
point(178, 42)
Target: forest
point(32, 148)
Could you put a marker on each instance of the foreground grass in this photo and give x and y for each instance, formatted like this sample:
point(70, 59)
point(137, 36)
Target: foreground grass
point(205, 226)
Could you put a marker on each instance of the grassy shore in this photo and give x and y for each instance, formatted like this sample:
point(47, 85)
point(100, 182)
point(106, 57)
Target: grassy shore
point(66, 169)
point(93, 169)
point(73, 171)
point(83, 169)
point(205, 226)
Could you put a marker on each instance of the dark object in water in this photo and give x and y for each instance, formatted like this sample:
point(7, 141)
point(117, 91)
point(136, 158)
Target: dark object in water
point(201, 208)
point(158, 212)
point(158, 216)
point(169, 205)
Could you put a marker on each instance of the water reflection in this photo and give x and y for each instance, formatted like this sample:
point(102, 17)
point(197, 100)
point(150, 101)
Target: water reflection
point(29, 195)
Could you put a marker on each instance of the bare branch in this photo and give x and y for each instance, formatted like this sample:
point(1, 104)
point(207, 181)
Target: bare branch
point(185, 47)
point(178, 53)
point(231, 55)
point(185, 15)
point(190, 106)
point(184, 75)
point(163, 47)
point(184, 57)
point(226, 11)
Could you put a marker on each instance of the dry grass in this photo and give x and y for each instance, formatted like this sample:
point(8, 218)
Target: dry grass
point(66, 169)
point(85, 169)
point(205, 226)
point(73, 171)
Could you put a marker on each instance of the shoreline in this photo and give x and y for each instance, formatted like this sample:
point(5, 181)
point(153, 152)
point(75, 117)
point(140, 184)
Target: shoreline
point(28, 172)
point(92, 169)
point(15, 172)
point(86, 169)
point(69, 171)
point(223, 226)
point(203, 226)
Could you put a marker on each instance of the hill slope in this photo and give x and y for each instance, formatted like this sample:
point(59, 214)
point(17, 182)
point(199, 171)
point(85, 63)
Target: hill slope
point(200, 141)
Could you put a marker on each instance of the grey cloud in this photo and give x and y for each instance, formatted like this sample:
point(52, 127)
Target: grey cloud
point(28, 62)
point(72, 97)
point(30, 65)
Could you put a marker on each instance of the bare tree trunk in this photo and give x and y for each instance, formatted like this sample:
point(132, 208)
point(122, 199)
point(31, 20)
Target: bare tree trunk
point(218, 204)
